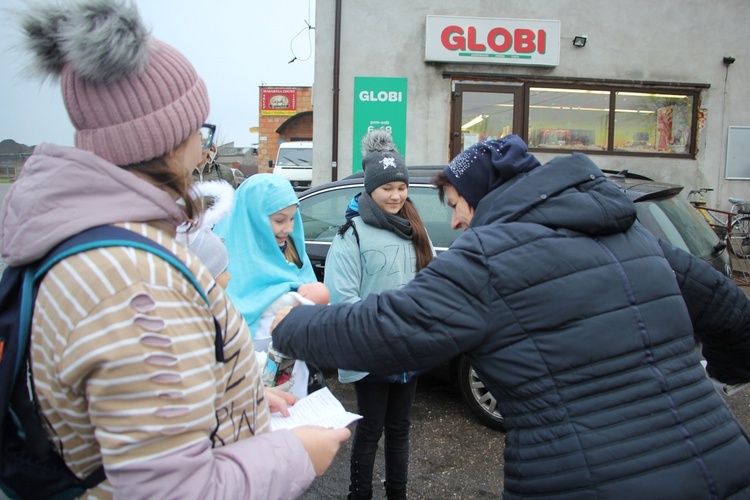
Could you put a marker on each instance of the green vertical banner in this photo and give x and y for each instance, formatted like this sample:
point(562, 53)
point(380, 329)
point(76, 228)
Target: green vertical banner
point(379, 102)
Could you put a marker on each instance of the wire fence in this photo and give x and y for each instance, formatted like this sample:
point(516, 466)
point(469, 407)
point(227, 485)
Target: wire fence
point(11, 165)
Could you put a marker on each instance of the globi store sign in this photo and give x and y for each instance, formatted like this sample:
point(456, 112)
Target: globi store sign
point(480, 40)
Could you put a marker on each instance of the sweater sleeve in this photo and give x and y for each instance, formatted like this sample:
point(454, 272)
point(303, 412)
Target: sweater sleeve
point(720, 313)
point(441, 313)
point(248, 469)
point(156, 443)
point(129, 377)
point(148, 371)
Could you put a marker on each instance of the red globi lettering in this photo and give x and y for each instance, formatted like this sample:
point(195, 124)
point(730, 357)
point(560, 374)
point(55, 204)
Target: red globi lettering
point(452, 38)
point(494, 34)
point(473, 45)
point(524, 41)
point(541, 42)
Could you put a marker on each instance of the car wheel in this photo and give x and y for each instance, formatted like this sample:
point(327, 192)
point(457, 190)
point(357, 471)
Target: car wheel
point(480, 401)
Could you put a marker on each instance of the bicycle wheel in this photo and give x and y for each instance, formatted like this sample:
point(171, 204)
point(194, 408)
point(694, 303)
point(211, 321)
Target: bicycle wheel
point(739, 238)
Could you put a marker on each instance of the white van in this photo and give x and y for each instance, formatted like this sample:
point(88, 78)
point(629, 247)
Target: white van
point(294, 162)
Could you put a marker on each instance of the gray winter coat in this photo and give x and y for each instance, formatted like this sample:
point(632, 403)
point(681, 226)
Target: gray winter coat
point(573, 319)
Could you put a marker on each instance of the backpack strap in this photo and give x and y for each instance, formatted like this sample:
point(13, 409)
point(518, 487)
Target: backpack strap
point(100, 237)
point(113, 236)
point(345, 227)
point(93, 479)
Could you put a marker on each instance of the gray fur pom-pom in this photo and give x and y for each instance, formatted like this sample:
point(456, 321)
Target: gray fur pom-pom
point(377, 140)
point(103, 40)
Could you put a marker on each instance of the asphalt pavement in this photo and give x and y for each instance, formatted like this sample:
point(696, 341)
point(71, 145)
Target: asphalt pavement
point(452, 455)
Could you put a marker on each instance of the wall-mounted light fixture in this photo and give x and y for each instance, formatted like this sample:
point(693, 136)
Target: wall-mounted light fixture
point(580, 40)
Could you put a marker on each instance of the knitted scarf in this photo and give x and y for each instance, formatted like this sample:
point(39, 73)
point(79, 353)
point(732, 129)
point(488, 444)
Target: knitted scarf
point(374, 216)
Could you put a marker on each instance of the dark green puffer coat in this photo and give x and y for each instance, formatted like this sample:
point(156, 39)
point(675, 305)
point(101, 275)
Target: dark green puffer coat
point(575, 322)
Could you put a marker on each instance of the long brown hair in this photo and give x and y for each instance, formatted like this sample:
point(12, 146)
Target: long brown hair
point(419, 234)
point(291, 254)
point(170, 177)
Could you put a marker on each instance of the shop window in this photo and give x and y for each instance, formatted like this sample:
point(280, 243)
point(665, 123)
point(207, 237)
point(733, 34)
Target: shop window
point(568, 119)
point(485, 111)
point(610, 120)
point(603, 117)
point(485, 116)
point(653, 123)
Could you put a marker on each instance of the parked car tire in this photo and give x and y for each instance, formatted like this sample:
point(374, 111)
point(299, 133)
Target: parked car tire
point(479, 400)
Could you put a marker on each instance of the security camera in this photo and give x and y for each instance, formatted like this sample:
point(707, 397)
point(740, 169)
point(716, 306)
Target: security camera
point(729, 60)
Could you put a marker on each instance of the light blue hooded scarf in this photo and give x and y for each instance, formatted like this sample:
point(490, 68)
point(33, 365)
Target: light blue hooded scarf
point(260, 272)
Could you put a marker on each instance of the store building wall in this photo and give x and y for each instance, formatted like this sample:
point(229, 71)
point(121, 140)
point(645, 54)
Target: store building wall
point(275, 128)
point(673, 41)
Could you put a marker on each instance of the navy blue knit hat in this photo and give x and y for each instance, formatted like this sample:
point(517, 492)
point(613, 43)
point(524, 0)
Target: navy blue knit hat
point(486, 165)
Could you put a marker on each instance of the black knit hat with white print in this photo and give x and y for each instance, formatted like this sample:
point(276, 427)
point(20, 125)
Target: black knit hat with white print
point(381, 161)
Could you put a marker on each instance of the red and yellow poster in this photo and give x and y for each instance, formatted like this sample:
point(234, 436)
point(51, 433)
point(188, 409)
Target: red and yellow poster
point(278, 102)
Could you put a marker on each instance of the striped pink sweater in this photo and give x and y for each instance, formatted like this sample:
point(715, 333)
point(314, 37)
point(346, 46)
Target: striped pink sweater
point(125, 371)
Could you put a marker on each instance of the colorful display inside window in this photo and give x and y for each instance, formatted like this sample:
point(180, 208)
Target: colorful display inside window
point(568, 118)
point(581, 120)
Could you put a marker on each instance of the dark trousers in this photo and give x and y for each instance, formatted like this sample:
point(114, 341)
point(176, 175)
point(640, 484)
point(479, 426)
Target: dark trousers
point(382, 406)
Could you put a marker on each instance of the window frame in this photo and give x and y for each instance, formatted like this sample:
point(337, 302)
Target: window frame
point(479, 82)
point(520, 96)
point(613, 91)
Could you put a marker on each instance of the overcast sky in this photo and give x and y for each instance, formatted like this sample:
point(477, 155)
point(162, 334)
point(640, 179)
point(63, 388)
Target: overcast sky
point(235, 45)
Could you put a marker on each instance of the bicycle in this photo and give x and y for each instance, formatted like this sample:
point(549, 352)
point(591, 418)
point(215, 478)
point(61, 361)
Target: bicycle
point(733, 226)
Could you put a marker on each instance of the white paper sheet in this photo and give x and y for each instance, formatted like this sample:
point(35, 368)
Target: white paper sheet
point(319, 408)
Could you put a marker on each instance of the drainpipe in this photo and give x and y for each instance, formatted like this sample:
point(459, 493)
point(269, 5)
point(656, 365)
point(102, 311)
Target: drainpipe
point(335, 121)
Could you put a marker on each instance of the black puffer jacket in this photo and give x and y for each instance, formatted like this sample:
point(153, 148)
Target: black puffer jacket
point(574, 320)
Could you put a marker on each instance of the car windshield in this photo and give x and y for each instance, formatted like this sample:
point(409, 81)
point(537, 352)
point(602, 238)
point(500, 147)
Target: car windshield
point(323, 214)
point(295, 156)
point(679, 223)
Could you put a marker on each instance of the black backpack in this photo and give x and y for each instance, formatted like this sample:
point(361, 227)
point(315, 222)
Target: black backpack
point(30, 466)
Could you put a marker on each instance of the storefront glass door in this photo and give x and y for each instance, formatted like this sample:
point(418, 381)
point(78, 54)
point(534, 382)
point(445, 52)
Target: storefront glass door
point(482, 112)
